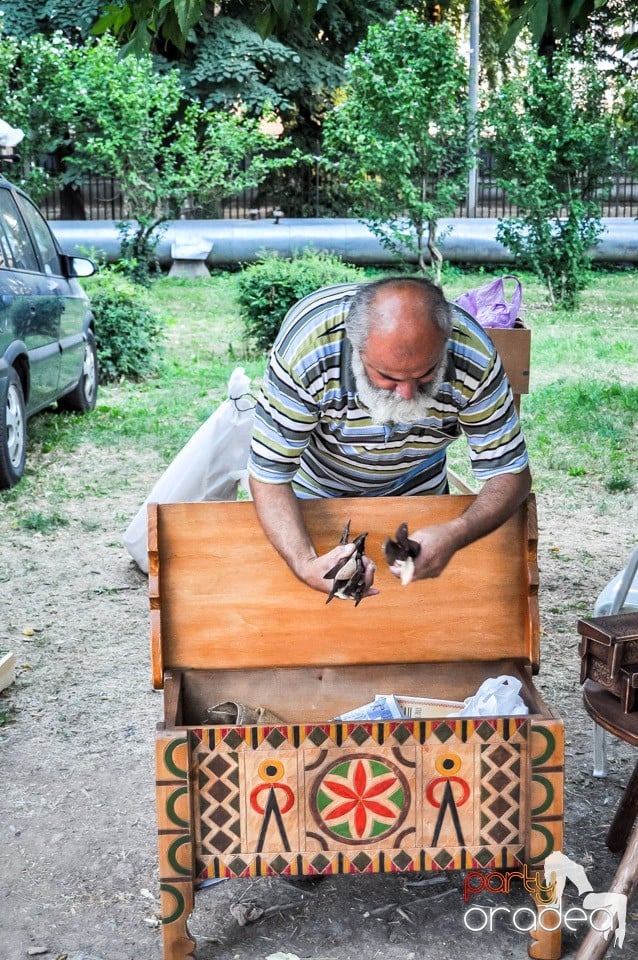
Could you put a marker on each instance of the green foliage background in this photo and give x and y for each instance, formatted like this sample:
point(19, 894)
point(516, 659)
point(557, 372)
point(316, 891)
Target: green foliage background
point(129, 331)
point(267, 289)
point(580, 417)
point(398, 136)
point(555, 143)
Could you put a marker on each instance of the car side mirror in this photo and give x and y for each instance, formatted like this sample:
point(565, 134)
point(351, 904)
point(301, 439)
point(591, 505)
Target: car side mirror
point(81, 267)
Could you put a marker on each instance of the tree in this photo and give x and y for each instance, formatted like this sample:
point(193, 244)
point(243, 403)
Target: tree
point(98, 112)
point(296, 68)
point(494, 20)
point(398, 135)
point(287, 53)
point(144, 24)
point(552, 22)
point(36, 83)
point(73, 18)
point(554, 147)
point(165, 151)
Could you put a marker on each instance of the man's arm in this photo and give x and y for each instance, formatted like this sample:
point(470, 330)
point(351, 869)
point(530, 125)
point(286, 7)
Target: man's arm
point(496, 502)
point(280, 516)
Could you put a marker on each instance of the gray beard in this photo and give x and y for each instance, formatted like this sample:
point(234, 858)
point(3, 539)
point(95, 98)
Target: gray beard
point(385, 406)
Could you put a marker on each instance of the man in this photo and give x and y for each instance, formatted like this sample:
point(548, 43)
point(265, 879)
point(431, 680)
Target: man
point(366, 387)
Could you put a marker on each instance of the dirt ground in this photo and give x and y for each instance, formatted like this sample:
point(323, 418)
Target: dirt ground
point(78, 874)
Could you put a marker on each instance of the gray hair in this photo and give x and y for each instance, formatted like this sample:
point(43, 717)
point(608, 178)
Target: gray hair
point(361, 316)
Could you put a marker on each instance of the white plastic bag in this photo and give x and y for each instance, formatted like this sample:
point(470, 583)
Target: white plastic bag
point(496, 696)
point(621, 594)
point(209, 467)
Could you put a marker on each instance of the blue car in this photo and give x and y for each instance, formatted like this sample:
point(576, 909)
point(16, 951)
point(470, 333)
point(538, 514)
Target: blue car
point(47, 338)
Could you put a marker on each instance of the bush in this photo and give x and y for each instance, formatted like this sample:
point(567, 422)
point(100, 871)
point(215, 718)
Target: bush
point(270, 287)
point(403, 154)
point(128, 334)
point(553, 140)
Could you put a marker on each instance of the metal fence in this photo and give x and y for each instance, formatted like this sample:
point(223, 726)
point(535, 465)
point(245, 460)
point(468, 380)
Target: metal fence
point(308, 191)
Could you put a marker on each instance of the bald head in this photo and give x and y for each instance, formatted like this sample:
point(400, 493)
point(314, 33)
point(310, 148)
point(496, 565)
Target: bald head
point(399, 330)
point(397, 306)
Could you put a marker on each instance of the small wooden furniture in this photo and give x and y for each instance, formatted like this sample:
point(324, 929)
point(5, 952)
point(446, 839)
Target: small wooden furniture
point(609, 655)
point(314, 796)
point(604, 708)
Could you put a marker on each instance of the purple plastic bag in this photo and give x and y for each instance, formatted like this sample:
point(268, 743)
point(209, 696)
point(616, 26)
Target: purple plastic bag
point(489, 304)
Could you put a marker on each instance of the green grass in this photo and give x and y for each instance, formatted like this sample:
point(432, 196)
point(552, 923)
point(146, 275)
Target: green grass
point(7, 717)
point(580, 419)
point(39, 522)
point(581, 415)
point(586, 429)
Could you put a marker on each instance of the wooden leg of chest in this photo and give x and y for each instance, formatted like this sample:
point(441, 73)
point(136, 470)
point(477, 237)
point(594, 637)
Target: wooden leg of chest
point(547, 752)
point(176, 847)
point(545, 944)
point(177, 943)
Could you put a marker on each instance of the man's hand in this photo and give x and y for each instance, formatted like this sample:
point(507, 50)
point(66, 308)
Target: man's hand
point(438, 544)
point(312, 571)
point(496, 502)
point(280, 516)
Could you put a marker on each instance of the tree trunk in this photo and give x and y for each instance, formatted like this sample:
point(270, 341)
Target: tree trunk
point(436, 257)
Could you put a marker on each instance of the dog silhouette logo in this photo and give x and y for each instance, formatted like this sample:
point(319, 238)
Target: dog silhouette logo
point(613, 906)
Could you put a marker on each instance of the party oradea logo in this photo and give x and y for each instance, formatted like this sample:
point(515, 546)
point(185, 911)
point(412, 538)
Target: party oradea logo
point(605, 912)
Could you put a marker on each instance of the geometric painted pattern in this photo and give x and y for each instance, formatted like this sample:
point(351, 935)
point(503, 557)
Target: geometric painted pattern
point(175, 841)
point(339, 734)
point(366, 797)
point(547, 751)
point(218, 800)
point(361, 798)
point(342, 798)
point(500, 793)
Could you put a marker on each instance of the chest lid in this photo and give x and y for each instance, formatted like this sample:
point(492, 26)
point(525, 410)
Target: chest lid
point(222, 599)
point(612, 629)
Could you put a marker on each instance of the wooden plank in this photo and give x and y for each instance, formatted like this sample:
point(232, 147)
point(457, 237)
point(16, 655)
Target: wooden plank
point(514, 348)
point(7, 670)
point(157, 654)
point(318, 694)
point(226, 600)
point(597, 943)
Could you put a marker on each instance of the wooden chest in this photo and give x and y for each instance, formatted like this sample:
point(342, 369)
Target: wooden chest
point(311, 795)
point(609, 655)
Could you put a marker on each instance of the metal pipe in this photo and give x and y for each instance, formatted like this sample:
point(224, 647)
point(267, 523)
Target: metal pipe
point(462, 240)
point(472, 177)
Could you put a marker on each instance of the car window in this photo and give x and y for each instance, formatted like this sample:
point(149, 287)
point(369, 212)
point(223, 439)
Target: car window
point(15, 243)
point(43, 238)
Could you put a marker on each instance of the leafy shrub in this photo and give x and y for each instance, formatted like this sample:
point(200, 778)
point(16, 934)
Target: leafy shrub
point(128, 333)
point(554, 145)
point(403, 155)
point(270, 287)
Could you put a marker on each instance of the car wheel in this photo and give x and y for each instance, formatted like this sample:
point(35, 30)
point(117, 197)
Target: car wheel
point(83, 397)
point(13, 431)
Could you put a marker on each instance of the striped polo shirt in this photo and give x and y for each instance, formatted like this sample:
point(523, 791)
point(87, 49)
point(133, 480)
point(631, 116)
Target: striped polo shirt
point(312, 430)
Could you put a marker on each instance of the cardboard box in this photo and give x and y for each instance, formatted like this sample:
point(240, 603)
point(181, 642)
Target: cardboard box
point(514, 348)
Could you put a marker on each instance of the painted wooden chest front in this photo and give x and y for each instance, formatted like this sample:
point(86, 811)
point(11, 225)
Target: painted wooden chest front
point(313, 796)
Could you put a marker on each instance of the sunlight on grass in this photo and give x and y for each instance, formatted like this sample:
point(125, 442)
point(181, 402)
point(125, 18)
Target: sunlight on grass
point(585, 429)
point(580, 419)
